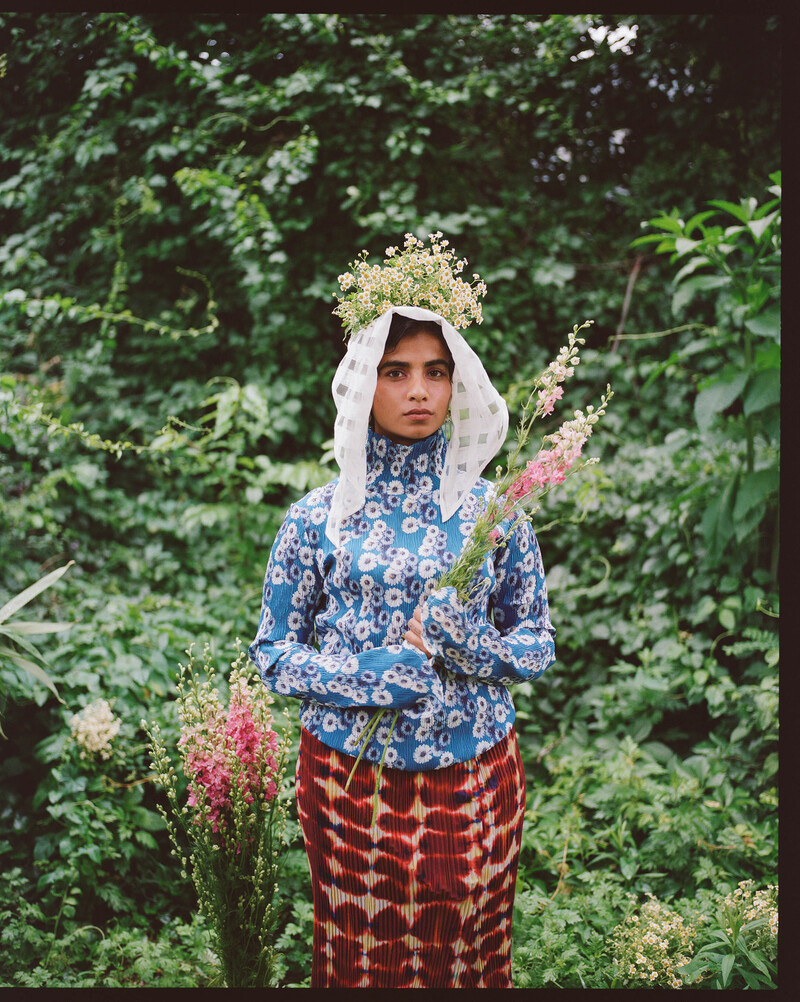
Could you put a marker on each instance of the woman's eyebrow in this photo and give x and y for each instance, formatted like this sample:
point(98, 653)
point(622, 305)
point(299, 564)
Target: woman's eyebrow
point(407, 365)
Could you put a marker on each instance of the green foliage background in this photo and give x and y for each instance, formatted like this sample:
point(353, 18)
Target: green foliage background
point(177, 198)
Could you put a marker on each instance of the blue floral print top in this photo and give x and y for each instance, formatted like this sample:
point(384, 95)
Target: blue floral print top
point(333, 618)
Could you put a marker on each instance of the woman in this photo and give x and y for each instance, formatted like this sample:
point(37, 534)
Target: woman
point(351, 625)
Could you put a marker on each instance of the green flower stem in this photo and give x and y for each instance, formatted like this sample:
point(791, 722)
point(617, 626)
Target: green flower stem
point(380, 769)
point(365, 739)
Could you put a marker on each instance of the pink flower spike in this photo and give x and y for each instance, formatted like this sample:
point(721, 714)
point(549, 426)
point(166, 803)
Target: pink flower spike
point(549, 398)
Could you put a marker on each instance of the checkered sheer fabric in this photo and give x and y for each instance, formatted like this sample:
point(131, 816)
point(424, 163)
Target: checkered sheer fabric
point(479, 417)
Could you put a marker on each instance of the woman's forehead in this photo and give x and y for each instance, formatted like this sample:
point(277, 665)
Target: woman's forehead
point(416, 346)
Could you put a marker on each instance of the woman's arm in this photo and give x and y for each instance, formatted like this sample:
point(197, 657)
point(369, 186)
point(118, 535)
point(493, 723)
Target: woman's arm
point(397, 676)
point(520, 644)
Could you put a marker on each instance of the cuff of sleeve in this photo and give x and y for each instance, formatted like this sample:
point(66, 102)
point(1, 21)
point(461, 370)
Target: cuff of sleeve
point(429, 712)
point(427, 672)
point(444, 621)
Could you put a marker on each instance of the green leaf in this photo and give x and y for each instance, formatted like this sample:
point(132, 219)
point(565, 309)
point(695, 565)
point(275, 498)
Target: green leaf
point(767, 323)
point(18, 641)
point(31, 668)
point(757, 961)
point(684, 246)
point(691, 266)
point(35, 589)
point(742, 213)
point(145, 839)
point(747, 526)
point(698, 219)
point(507, 274)
point(758, 226)
point(754, 982)
point(717, 523)
point(716, 397)
point(553, 273)
point(648, 238)
point(753, 489)
point(20, 626)
point(147, 820)
point(705, 607)
point(763, 391)
point(669, 223)
point(727, 967)
point(689, 288)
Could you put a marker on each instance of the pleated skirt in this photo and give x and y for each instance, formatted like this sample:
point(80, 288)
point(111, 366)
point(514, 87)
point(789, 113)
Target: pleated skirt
point(424, 898)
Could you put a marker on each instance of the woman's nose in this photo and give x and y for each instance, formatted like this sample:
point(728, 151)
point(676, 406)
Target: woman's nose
point(417, 388)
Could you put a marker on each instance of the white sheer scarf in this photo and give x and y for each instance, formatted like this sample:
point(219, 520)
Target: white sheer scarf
point(479, 415)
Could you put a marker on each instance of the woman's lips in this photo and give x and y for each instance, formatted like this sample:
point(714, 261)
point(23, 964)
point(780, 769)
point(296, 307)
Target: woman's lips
point(418, 414)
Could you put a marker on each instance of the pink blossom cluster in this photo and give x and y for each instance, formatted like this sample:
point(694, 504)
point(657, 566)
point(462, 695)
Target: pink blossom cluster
point(548, 397)
point(552, 465)
point(221, 740)
point(556, 372)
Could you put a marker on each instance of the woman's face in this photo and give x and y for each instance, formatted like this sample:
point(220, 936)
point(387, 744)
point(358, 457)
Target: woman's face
point(413, 390)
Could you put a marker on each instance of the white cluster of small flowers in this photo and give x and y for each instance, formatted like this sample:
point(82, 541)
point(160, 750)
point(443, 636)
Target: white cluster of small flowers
point(417, 276)
point(651, 946)
point(94, 728)
point(754, 906)
point(572, 435)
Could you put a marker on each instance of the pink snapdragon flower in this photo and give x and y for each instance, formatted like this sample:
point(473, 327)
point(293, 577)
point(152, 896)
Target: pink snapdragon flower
point(551, 466)
point(219, 741)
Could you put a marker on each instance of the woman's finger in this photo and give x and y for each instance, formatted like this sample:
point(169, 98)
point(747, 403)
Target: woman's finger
point(414, 635)
point(414, 639)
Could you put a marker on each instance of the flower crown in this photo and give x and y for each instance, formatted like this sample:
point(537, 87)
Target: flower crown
point(416, 277)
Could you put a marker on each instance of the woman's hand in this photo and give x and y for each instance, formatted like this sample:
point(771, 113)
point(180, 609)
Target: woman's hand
point(414, 633)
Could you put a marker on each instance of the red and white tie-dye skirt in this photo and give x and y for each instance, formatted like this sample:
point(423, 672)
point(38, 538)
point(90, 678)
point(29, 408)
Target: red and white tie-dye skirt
point(423, 899)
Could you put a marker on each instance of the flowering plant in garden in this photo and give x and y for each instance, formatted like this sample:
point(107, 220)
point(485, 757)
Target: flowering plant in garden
point(740, 945)
point(734, 946)
point(416, 276)
point(229, 829)
point(650, 946)
point(756, 914)
point(518, 488)
point(94, 728)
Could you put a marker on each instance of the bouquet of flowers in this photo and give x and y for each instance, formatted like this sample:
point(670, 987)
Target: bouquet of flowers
point(519, 487)
point(429, 277)
point(230, 827)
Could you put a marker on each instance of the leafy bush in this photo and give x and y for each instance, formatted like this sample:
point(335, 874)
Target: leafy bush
point(740, 262)
point(651, 749)
point(44, 951)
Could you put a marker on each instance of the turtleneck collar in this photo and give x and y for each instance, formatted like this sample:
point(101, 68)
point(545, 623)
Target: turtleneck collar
point(388, 460)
